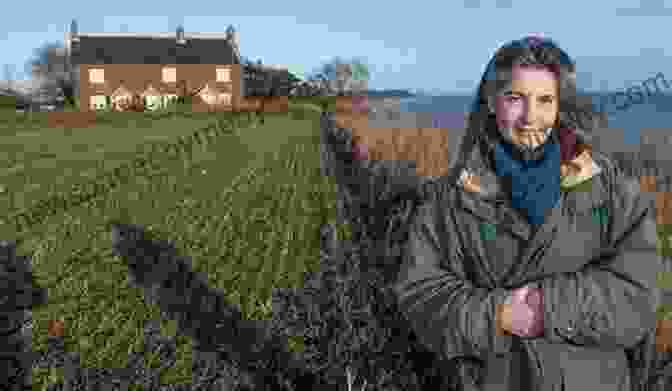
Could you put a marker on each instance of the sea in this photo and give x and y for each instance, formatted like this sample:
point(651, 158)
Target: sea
point(643, 129)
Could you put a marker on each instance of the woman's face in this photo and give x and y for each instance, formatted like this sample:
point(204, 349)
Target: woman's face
point(528, 105)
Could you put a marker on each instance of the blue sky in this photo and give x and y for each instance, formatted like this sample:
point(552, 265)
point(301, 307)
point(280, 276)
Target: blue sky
point(433, 45)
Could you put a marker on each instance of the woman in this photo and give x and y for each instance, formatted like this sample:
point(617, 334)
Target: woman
point(535, 266)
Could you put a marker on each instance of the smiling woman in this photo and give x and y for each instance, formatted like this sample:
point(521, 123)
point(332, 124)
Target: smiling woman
point(517, 273)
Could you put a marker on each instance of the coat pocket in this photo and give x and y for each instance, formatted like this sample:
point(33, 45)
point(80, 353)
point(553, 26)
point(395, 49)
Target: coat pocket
point(578, 242)
point(593, 221)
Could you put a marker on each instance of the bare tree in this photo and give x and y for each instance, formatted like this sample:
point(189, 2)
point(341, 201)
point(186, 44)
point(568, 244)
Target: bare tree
point(360, 75)
point(53, 67)
point(321, 82)
point(8, 73)
point(342, 77)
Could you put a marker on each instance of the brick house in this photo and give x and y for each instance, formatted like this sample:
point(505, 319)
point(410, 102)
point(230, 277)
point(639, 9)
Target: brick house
point(115, 67)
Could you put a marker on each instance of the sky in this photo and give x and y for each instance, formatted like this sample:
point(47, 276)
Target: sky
point(439, 45)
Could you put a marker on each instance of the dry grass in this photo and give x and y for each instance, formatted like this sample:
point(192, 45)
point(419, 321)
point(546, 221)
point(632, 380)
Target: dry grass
point(278, 104)
point(664, 208)
point(664, 335)
point(663, 200)
point(72, 119)
point(428, 147)
point(647, 183)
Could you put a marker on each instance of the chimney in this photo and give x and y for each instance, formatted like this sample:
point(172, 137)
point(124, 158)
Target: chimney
point(232, 36)
point(180, 35)
point(74, 33)
point(72, 47)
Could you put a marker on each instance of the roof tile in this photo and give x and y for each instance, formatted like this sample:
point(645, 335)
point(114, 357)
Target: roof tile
point(152, 50)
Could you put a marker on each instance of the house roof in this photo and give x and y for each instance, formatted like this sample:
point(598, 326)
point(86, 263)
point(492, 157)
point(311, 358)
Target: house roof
point(160, 48)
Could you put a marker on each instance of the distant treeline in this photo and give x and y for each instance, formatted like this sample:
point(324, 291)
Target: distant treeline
point(390, 93)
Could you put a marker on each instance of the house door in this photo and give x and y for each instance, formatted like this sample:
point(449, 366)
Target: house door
point(98, 102)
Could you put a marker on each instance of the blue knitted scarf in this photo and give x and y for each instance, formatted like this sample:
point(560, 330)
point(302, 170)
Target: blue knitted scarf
point(535, 184)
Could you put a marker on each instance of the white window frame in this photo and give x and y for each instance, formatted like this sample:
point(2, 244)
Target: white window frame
point(223, 75)
point(153, 102)
point(122, 99)
point(94, 103)
point(225, 98)
point(97, 75)
point(169, 75)
point(168, 99)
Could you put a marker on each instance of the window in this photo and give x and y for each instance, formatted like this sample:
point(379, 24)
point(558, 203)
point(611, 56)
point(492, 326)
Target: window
point(98, 102)
point(169, 75)
point(225, 99)
point(223, 74)
point(152, 102)
point(169, 99)
point(97, 76)
point(122, 101)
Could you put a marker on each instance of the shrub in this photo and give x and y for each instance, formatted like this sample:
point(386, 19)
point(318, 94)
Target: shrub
point(8, 102)
point(20, 295)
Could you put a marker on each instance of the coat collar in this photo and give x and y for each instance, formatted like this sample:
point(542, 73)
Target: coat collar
point(486, 195)
point(489, 186)
point(479, 177)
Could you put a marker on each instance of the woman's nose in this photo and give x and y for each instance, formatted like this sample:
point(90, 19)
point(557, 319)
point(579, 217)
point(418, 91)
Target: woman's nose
point(529, 113)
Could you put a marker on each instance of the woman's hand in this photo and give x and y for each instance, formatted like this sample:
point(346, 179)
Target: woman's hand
point(524, 315)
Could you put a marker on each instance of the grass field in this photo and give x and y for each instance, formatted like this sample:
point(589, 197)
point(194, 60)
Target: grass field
point(247, 208)
point(39, 160)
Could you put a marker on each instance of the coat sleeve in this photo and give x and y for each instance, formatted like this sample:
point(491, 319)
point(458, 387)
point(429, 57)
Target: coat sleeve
point(446, 311)
point(612, 301)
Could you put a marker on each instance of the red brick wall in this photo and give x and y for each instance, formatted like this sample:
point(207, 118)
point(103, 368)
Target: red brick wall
point(136, 77)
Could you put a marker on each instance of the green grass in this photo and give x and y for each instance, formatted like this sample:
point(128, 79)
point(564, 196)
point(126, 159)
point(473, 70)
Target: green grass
point(37, 162)
point(247, 210)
